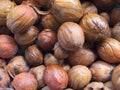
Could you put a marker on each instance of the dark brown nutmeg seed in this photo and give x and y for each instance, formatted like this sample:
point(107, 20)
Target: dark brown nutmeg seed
point(46, 40)
point(104, 4)
point(115, 16)
point(33, 55)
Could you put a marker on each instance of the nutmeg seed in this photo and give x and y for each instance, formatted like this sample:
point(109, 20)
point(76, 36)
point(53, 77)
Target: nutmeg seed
point(5, 7)
point(115, 78)
point(8, 47)
point(70, 36)
point(46, 40)
point(24, 81)
point(109, 50)
point(55, 77)
point(20, 18)
point(67, 10)
point(79, 76)
point(81, 57)
point(33, 55)
point(98, 67)
point(17, 65)
point(89, 7)
point(27, 37)
point(38, 73)
point(95, 27)
point(4, 78)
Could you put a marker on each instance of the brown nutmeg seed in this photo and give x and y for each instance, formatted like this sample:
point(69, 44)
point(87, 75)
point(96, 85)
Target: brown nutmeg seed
point(24, 81)
point(98, 67)
point(33, 55)
point(27, 37)
point(8, 47)
point(67, 10)
point(17, 65)
point(46, 40)
point(4, 78)
point(20, 18)
point(81, 57)
point(109, 50)
point(115, 78)
point(95, 27)
point(70, 36)
point(55, 77)
point(50, 59)
point(79, 76)
point(89, 7)
point(38, 73)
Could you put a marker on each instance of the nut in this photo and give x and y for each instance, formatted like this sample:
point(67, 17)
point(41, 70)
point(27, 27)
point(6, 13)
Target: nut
point(33, 55)
point(67, 10)
point(70, 36)
point(95, 27)
point(4, 78)
point(50, 59)
point(109, 50)
point(98, 67)
point(105, 15)
point(59, 52)
point(38, 74)
point(79, 76)
point(5, 7)
point(50, 22)
point(104, 4)
point(8, 47)
point(20, 18)
point(81, 57)
point(89, 7)
point(116, 31)
point(46, 40)
point(28, 37)
point(24, 81)
point(17, 65)
point(115, 15)
point(116, 78)
point(55, 77)
point(96, 86)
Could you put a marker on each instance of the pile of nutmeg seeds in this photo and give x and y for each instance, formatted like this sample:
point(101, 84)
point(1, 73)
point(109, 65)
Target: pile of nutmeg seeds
point(59, 44)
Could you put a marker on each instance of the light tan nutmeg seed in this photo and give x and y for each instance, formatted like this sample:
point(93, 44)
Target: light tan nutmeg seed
point(70, 36)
